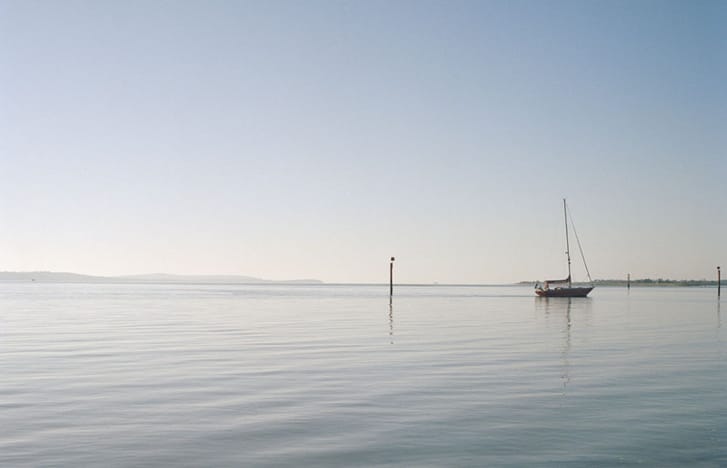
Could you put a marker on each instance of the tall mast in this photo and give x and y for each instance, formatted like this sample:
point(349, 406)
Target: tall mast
point(567, 246)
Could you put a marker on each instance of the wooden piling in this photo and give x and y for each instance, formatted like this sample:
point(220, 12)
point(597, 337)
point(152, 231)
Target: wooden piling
point(628, 281)
point(391, 277)
point(719, 282)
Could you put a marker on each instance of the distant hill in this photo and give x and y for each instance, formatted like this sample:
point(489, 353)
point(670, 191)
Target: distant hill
point(48, 277)
point(157, 278)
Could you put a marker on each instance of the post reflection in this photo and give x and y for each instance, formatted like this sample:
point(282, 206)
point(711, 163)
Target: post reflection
point(719, 317)
point(391, 321)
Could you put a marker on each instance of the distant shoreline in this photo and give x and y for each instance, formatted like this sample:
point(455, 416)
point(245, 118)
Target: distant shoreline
point(156, 278)
point(648, 283)
point(162, 278)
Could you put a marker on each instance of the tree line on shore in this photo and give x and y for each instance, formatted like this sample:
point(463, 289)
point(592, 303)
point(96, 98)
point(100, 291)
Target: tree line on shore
point(649, 282)
point(655, 282)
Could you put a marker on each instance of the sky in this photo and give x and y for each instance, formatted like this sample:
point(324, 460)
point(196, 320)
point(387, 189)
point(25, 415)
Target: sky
point(316, 139)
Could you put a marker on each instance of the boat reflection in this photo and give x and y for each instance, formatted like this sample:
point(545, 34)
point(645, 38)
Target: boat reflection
point(562, 310)
point(565, 352)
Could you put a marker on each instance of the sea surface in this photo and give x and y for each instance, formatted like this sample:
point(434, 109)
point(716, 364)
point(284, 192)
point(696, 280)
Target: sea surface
point(334, 375)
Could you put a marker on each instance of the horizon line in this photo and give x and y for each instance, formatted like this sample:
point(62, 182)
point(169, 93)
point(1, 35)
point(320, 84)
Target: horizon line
point(149, 279)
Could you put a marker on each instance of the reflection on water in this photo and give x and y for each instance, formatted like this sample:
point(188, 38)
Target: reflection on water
point(562, 308)
point(166, 375)
point(719, 317)
point(391, 321)
point(565, 375)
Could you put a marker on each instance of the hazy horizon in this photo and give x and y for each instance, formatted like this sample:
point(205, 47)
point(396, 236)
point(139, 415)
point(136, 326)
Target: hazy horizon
point(191, 278)
point(317, 139)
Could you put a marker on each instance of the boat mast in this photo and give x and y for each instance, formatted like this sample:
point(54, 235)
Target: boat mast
point(567, 246)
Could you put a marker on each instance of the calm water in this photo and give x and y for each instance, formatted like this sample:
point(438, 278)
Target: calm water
point(159, 375)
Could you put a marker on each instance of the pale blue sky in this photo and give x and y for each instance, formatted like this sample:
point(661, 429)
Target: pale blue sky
point(316, 139)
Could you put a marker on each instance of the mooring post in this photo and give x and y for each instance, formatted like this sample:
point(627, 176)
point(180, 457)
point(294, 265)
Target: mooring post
point(628, 281)
point(391, 277)
point(719, 282)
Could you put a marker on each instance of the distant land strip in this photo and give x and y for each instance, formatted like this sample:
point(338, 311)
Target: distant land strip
point(648, 282)
point(164, 278)
point(156, 278)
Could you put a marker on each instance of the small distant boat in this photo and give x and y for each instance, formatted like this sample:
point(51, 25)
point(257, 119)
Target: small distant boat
point(564, 287)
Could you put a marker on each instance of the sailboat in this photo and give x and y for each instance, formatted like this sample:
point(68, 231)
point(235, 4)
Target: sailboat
point(564, 287)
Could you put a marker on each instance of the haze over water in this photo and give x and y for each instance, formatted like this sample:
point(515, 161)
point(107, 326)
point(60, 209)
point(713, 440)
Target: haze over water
point(218, 375)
